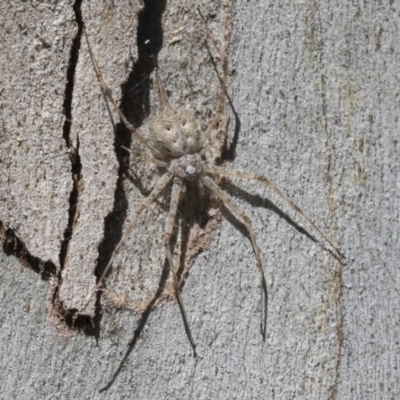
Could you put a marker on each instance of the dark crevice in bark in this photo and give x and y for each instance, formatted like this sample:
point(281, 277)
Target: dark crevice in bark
point(13, 246)
point(135, 104)
point(76, 165)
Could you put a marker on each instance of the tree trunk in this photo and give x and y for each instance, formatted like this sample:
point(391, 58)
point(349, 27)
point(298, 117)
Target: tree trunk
point(313, 103)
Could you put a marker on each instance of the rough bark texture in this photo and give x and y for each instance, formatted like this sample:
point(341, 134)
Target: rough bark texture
point(315, 97)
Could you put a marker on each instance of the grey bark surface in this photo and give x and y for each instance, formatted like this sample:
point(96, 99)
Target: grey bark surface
point(315, 88)
point(35, 171)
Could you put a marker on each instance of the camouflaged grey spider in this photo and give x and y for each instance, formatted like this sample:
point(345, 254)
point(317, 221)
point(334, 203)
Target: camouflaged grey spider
point(177, 145)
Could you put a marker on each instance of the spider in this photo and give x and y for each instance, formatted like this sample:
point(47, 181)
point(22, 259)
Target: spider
point(178, 146)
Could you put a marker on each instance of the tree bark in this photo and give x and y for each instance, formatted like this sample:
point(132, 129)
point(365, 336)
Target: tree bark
point(313, 103)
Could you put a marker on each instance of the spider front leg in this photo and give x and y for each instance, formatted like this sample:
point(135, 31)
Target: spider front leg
point(163, 181)
point(205, 137)
point(210, 184)
point(106, 90)
point(176, 191)
point(245, 175)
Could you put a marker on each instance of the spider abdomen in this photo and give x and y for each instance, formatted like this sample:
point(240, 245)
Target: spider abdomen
point(175, 133)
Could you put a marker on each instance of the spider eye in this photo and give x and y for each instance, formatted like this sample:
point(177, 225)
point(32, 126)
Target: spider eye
point(184, 122)
point(168, 128)
point(190, 170)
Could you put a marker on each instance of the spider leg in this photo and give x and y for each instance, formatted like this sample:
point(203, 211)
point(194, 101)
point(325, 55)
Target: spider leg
point(163, 181)
point(162, 96)
point(106, 90)
point(208, 182)
point(176, 191)
point(221, 104)
point(141, 156)
point(220, 140)
point(245, 175)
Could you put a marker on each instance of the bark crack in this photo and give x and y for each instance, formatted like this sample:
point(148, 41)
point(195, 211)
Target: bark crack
point(136, 107)
point(73, 150)
point(14, 246)
point(338, 274)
